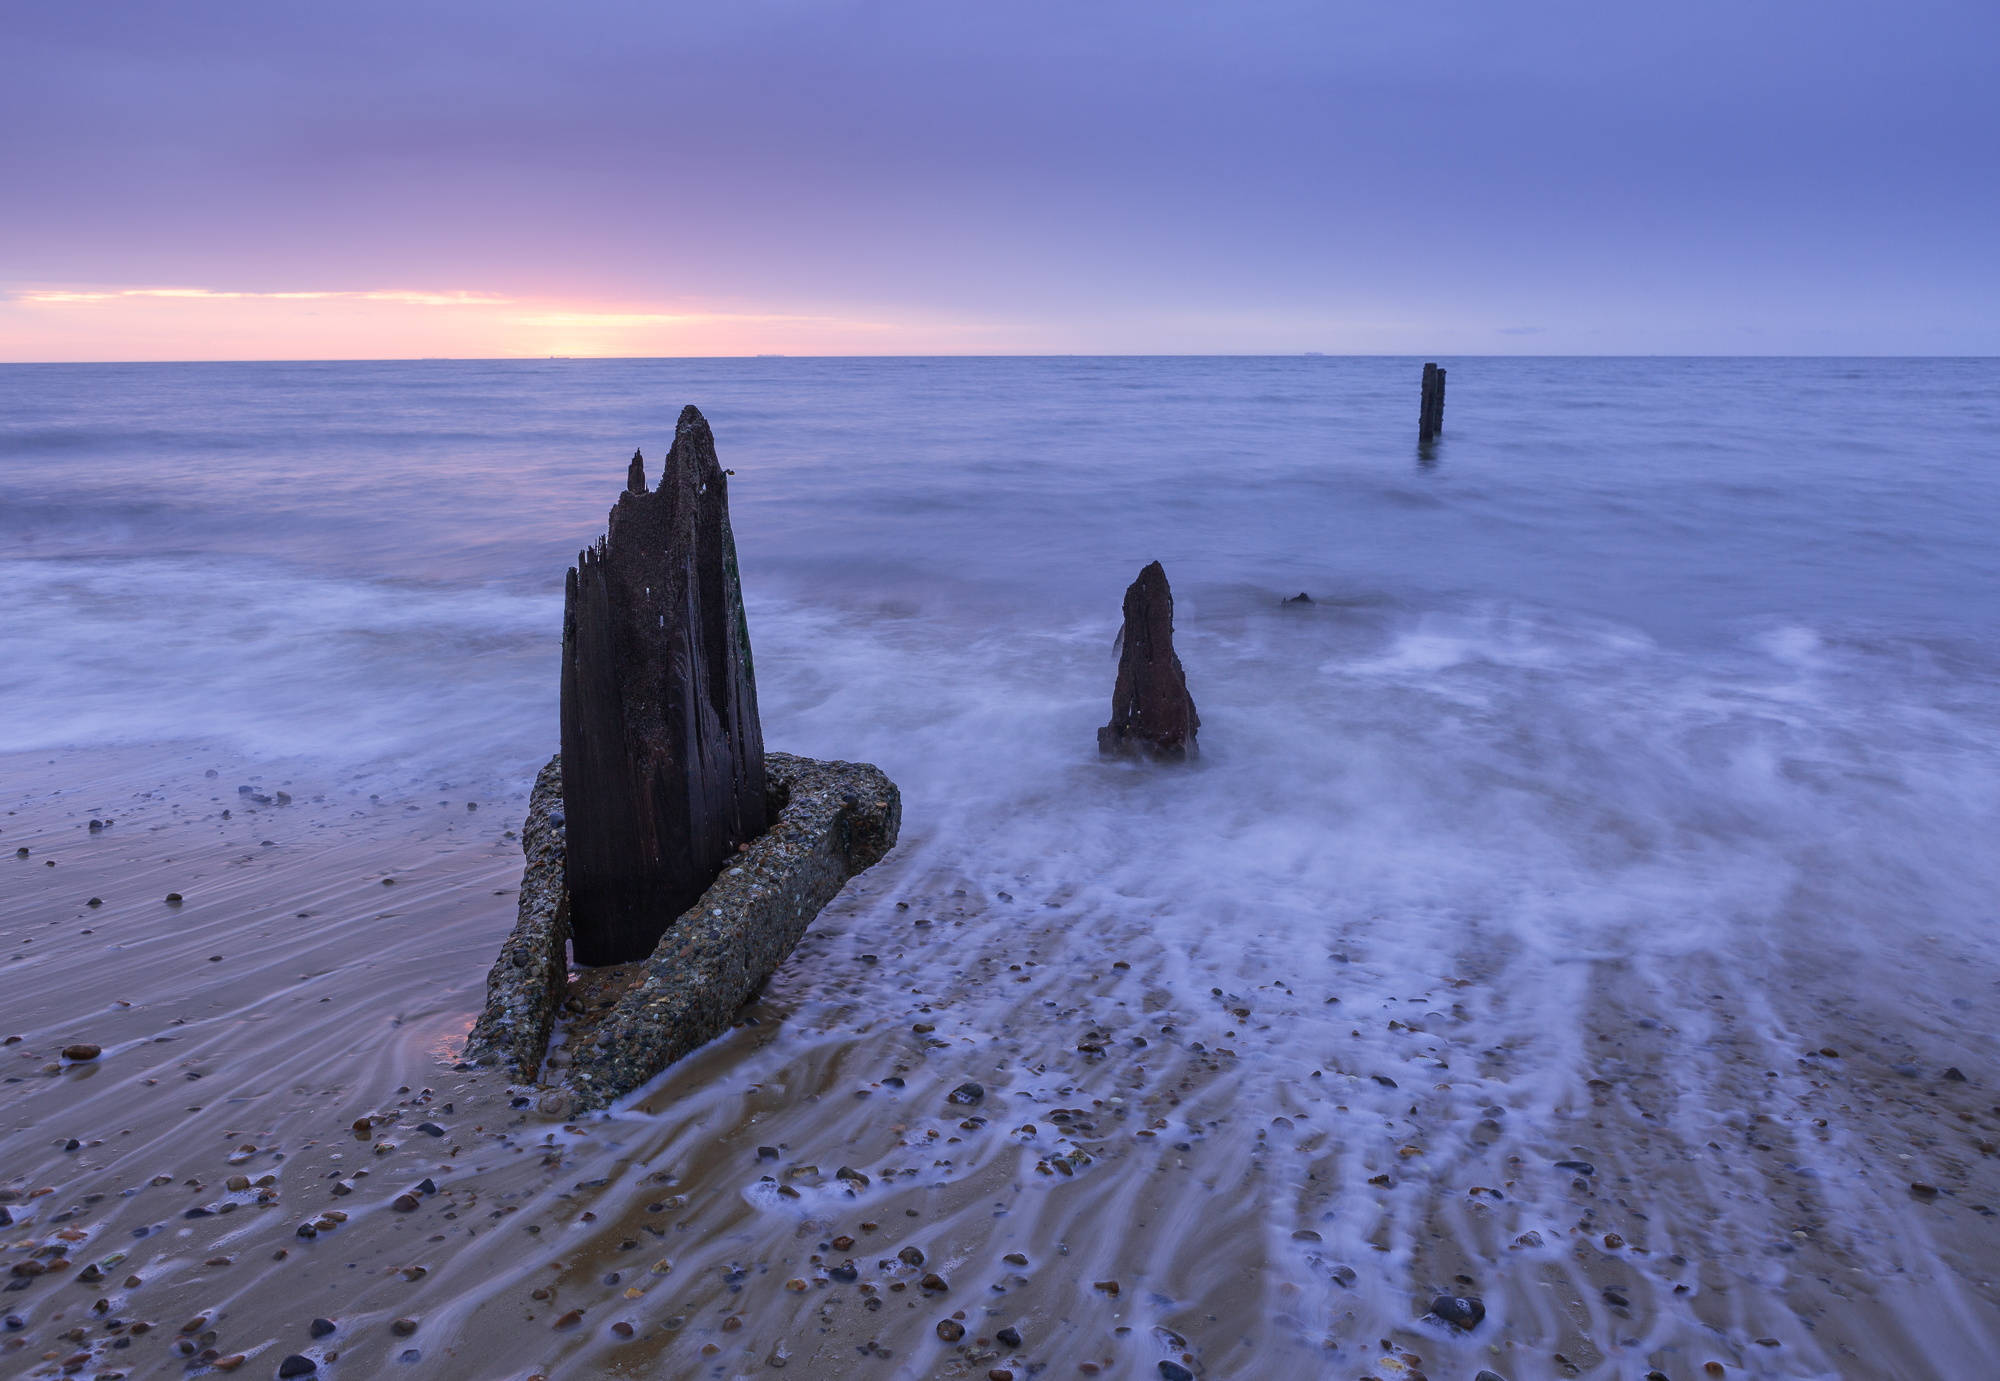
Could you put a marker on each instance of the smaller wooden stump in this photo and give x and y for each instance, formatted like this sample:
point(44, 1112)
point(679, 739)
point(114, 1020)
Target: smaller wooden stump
point(1430, 413)
point(1151, 710)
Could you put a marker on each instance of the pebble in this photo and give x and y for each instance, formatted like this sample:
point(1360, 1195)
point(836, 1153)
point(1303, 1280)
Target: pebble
point(966, 1093)
point(82, 1051)
point(296, 1365)
point(933, 1281)
point(1611, 1296)
point(174, 899)
point(321, 1327)
point(1109, 1287)
point(1009, 1335)
point(1460, 1311)
point(910, 1256)
point(571, 1319)
point(1015, 1259)
point(1174, 1371)
point(950, 1331)
point(1489, 1376)
point(1579, 1167)
point(1922, 1190)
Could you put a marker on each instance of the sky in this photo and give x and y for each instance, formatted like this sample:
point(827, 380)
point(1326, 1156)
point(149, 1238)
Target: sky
point(884, 177)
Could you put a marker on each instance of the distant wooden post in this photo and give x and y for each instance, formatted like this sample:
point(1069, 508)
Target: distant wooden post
point(1430, 413)
point(1151, 710)
point(662, 752)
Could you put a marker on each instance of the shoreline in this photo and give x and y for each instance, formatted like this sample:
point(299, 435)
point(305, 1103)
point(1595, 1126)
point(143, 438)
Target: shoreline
point(1264, 1245)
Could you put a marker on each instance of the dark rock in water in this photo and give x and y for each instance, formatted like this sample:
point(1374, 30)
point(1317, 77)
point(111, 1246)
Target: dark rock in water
point(322, 1327)
point(295, 1365)
point(1009, 1335)
point(430, 1129)
point(966, 1093)
point(1343, 1274)
point(1953, 1075)
point(1174, 1371)
point(1300, 598)
point(663, 754)
point(82, 1051)
point(1578, 1167)
point(911, 1256)
point(1460, 1311)
point(950, 1331)
point(1151, 710)
point(1612, 1297)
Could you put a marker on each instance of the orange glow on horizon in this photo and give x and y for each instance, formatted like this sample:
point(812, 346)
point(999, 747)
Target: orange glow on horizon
point(94, 323)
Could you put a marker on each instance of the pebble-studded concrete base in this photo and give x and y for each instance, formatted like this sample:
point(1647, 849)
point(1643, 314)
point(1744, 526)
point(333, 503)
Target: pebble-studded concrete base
point(831, 820)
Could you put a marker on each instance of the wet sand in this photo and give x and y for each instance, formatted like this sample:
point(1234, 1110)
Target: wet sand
point(1227, 1155)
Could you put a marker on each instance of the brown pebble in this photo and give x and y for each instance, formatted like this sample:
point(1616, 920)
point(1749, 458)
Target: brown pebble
point(237, 1183)
point(1922, 1190)
point(950, 1331)
point(229, 1363)
point(622, 1329)
point(82, 1051)
point(933, 1281)
point(911, 1256)
point(195, 1324)
point(1109, 1287)
point(1612, 1241)
point(870, 1227)
point(1015, 1259)
point(732, 1323)
point(403, 1328)
point(133, 1282)
point(538, 1293)
point(843, 1243)
point(405, 1203)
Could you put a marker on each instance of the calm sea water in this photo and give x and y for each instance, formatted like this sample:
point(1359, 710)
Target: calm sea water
point(1650, 678)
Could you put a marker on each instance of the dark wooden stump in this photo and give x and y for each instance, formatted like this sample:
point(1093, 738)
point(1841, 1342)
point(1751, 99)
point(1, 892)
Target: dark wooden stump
point(663, 756)
point(1151, 710)
point(1430, 412)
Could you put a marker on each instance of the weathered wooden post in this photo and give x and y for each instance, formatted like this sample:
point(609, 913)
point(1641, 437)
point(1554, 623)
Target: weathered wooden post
point(1430, 413)
point(1151, 710)
point(662, 752)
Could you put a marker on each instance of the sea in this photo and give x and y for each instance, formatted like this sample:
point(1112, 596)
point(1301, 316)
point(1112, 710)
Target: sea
point(1621, 793)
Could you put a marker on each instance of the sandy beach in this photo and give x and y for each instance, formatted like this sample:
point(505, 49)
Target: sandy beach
point(1270, 1179)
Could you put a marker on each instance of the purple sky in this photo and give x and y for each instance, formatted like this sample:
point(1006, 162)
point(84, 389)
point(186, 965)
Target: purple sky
point(1087, 176)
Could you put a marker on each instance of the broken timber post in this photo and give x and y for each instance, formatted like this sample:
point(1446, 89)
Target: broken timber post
point(1151, 710)
point(663, 755)
point(1430, 413)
